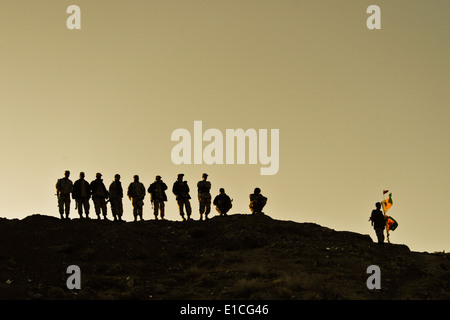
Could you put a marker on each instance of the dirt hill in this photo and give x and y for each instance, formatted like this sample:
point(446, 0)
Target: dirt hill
point(234, 257)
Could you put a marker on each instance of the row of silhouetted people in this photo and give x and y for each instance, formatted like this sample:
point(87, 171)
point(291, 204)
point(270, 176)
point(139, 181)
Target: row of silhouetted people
point(82, 191)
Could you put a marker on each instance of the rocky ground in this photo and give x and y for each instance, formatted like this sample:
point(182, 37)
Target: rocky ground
point(234, 257)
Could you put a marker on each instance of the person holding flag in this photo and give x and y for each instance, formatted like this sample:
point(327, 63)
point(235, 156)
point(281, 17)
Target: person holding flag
point(378, 221)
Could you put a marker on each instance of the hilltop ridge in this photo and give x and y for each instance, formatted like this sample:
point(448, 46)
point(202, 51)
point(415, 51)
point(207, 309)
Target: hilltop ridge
point(235, 257)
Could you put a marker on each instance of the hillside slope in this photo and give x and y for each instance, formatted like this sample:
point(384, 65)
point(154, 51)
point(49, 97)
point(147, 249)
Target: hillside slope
point(234, 257)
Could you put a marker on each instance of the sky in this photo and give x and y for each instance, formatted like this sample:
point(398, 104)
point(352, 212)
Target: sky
point(357, 110)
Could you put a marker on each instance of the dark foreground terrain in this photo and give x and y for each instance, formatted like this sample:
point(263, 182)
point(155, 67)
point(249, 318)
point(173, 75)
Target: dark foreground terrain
point(234, 257)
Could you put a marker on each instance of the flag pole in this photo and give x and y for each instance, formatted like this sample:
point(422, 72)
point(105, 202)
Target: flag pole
point(384, 212)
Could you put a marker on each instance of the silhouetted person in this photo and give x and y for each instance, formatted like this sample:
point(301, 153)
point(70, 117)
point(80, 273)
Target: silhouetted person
point(257, 201)
point(136, 193)
point(64, 187)
point(81, 194)
point(99, 196)
point(222, 202)
point(181, 190)
point(158, 195)
point(378, 222)
point(204, 197)
point(115, 198)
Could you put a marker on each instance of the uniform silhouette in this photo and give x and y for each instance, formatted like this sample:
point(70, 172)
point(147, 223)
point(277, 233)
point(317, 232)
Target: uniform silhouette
point(136, 193)
point(81, 194)
point(378, 222)
point(180, 189)
point(115, 198)
point(99, 196)
point(158, 195)
point(64, 187)
point(204, 197)
point(222, 202)
point(257, 201)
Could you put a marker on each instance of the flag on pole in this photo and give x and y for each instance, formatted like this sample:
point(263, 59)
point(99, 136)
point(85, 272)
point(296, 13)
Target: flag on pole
point(387, 203)
point(391, 224)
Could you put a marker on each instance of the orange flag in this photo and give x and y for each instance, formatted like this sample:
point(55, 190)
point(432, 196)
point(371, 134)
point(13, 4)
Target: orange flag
point(387, 203)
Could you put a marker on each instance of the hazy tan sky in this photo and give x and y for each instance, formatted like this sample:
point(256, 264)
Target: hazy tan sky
point(358, 110)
